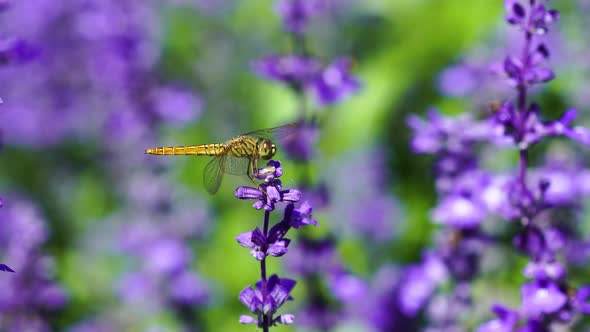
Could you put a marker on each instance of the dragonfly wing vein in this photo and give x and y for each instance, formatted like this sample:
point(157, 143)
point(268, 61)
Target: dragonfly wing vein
point(213, 174)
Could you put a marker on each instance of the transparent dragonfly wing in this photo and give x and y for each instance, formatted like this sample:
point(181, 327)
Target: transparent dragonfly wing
point(219, 166)
point(276, 133)
point(213, 174)
point(236, 166)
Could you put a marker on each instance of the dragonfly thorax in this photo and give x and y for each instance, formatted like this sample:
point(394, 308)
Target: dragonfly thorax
point(266, 149)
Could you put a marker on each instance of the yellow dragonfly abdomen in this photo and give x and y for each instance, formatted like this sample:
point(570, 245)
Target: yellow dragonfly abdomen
point(194, 150)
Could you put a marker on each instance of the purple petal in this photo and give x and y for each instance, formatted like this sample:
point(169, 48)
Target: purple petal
point(291, 195)
point(515, 11)
point(458, 211)
point(245, 240)
point(245, 319)
point(540, 75)
point(273, 193)
point(279, 248)
point(582, 299)
point(286, 319)
point(259, 205)
point(542, 298)
point(248, 193)
point(512, 67)
point(5, 268)
point(579, 134)
point(258, 254)
point(569, 116)
point(249, 297)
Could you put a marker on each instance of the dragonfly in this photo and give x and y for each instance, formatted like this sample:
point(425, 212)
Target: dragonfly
point(237, 156)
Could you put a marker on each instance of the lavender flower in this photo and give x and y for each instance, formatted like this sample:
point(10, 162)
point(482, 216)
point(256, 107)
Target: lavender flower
point(265, 303)
point(269, 192)
point(271, 293)
point(274, 244)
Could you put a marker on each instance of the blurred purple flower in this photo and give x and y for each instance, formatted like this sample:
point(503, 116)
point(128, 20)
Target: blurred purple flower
point(188, 288)
point(459, 212)
point(506, 321)
point(542, 297)
point(336, 83)
point(177, 106)
point(438, 133)
point(313, 256)
point(31, 293)
point(419, 282)
point(300, 144)
point(362, 206)
point(545, 270)
point(458, 81)
point(385, 311)
point(294, 70)
point(329, 85)
point(297, 13)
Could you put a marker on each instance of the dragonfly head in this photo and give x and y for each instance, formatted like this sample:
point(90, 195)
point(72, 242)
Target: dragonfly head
point(266, 149)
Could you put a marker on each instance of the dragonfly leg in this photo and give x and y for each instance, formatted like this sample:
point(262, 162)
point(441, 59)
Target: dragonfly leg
point(251, 170)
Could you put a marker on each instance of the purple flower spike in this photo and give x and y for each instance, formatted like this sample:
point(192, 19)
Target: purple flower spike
point(542, 297)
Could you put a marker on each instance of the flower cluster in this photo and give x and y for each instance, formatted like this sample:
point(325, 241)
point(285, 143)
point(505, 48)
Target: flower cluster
point(270, 294)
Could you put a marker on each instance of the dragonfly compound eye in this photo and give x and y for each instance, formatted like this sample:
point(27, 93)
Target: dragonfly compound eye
point(267, 150)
